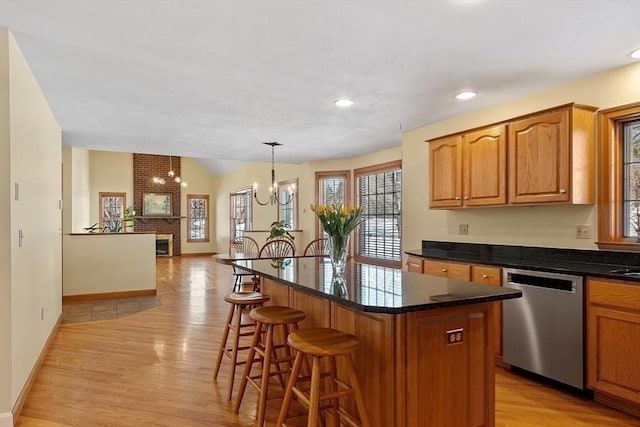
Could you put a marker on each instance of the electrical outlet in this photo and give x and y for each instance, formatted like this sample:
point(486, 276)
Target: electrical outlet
point(583, 231)
point(454, 336)
point(464, 229)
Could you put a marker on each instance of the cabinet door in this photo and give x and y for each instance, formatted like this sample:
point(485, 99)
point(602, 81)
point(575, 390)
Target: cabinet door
point(492, 276)
point(613, 342)
point(539, 158)
point(484, 159)
point(445, 172)
point(414, 264)
point(452, 270)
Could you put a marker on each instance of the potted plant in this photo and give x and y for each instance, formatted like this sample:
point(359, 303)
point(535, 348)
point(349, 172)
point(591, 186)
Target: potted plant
point(280, 230)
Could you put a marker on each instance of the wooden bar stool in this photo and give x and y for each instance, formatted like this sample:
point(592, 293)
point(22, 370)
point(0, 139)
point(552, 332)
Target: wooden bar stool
point(324, 343)
point(267, 318)
point(239, 301)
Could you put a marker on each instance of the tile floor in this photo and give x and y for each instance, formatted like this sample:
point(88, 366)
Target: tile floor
point(104, 309)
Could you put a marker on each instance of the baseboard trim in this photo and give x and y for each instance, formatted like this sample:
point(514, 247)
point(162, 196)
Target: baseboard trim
point(617, 403)
point(200, 254)
point(122, 294)
point(6, 419)
point(17, 407)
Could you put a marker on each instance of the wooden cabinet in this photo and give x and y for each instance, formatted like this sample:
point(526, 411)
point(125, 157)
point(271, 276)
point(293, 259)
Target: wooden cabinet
point(545, 157)
point(484, 160)
point(551, 157)
point(464, 368)
point(469, 169)
point(414, 264)
point(613, 343)
point(445, 172)
point(484, 274)
point(452, 270)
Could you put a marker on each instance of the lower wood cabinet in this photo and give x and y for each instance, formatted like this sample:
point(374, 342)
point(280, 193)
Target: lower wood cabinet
point(613, 343)
point(477, 273)
point(414, 264)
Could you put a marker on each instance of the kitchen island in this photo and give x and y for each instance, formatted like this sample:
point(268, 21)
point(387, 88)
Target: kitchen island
point(425, 358)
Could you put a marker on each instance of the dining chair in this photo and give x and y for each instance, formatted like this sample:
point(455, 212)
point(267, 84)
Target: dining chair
point(244, 245)
point(249, 247)
point(317, 247)
point(277, 248)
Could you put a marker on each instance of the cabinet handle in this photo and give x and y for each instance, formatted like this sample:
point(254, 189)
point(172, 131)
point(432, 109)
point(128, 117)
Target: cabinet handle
point(562, 191)
point(485, 276)
point(444, 270)
point(466, 197)
point(457, 197)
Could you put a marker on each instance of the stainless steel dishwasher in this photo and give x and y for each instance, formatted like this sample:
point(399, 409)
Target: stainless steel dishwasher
point(543, 330)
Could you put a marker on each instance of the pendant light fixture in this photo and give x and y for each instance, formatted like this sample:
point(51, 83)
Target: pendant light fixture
point(172, 176)
point(273, 190)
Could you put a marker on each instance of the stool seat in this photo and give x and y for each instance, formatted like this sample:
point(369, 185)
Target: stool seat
point(323, 341)
point(277, 315)
point(246, 298)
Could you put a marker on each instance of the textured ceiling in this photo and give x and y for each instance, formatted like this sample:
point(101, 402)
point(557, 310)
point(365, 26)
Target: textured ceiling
point(213, 79)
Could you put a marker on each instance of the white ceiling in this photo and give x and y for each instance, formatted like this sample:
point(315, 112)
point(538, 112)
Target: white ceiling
point(213, 79)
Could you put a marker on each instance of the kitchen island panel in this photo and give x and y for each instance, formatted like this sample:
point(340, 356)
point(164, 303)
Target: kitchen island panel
point(317, 309)
point(376, 361)
point(443, 375)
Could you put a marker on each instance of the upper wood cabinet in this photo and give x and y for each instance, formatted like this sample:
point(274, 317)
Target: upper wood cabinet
point(484, 167)
point(469, 169)
point(546, 157)
point(445, 172)
point(551, 157)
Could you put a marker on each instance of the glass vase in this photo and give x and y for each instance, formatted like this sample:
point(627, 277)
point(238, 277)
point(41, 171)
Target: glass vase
point(338, 249)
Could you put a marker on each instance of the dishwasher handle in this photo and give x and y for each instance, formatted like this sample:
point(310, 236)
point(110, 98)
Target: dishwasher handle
point(557, 284)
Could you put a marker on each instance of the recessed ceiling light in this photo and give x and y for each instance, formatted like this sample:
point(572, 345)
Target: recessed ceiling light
point(635, 54)
point(466, 95)
point(344, 103)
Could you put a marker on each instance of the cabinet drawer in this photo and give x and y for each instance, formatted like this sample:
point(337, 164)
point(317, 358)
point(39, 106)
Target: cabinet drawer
point(486, 275)
point(451, 270)
point(616, 293)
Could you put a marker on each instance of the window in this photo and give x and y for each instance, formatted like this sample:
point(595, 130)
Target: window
point(112, 207)
point(197, 218)
point(241, 215)
point(619, 179)
point(379, 192)
point(332, 189)
point(289, 212)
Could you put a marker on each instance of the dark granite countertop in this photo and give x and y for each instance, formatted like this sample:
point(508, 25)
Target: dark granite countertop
point(609, 264)
point(372, 288)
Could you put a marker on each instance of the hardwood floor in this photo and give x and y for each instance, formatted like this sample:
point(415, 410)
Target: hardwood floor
point(155, 367)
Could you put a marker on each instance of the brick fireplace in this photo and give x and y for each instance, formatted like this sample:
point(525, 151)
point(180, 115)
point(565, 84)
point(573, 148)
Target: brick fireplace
point(145, 167)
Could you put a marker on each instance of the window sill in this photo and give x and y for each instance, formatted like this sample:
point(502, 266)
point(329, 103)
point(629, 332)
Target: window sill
point(626, 246)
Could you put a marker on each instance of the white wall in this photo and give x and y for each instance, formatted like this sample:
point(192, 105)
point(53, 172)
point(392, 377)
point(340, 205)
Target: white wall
point(528, 226)
point(75, 189)
point(109, 172)
point(35, 279)
point(109, 262)
point(6, 403)
point(198, 182)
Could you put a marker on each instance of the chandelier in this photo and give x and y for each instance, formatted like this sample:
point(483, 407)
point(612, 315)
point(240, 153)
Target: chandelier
point(273, 190)
point(172, 176)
